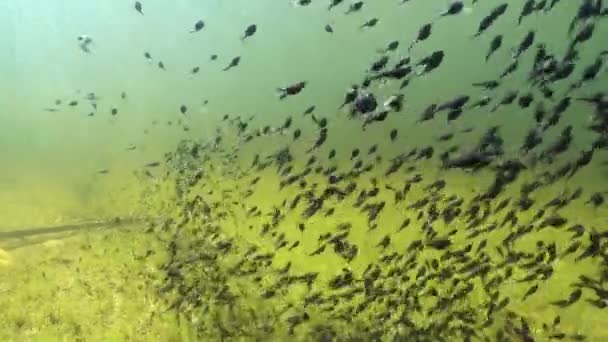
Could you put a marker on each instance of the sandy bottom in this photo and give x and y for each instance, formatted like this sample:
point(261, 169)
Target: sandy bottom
point(97, 285)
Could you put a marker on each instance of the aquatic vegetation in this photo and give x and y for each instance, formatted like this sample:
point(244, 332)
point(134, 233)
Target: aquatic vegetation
point(94, 285)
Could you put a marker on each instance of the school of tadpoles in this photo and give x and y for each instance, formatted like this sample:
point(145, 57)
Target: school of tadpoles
point(451, 268)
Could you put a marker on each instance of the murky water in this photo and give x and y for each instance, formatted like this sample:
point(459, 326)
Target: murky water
point(223, 221)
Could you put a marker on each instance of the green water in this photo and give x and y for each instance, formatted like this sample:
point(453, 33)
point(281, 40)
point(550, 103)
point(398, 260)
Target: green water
point(171, 276)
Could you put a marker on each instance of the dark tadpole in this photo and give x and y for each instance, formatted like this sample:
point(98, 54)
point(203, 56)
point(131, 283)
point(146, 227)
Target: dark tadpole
point(525, 100)
point(233, 63)
point(525, 44)
point(586, 10)
point(329, 29)
point(589, 73)
point(511, 68)
point(291, 90)
point(454, 8)
point(428, 113)
point(397, 73)
point(370, 23)
point(385, 242)
point(332, 154)
point(484, 24)
point(439, 243)
point(364, 103)
point(487, 85)
point(560, 145)
point(351, 95)
point(456, 103)
point(562, 71)
point(596, 199)
point(139, 8)
point(249, 31)
point(488, 20)
point(354, 7)
point(431, 62)
point(526, 10)
point(392, 46)
point(540, 5)
point(393, 134)
point(423, 33)
point(454, 114)
point(473, 160)
point(309, 110)
point(551, 5)
point(379, 64)
point(333, 4)
point(495, 44)
point(199, 25)
point(532, 290)
point(532, 139)
point(445, 137)
point(507, 99)
point(583, 35)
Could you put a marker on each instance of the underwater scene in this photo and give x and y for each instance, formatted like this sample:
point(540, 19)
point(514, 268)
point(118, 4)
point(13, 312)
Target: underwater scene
point(304, 170)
